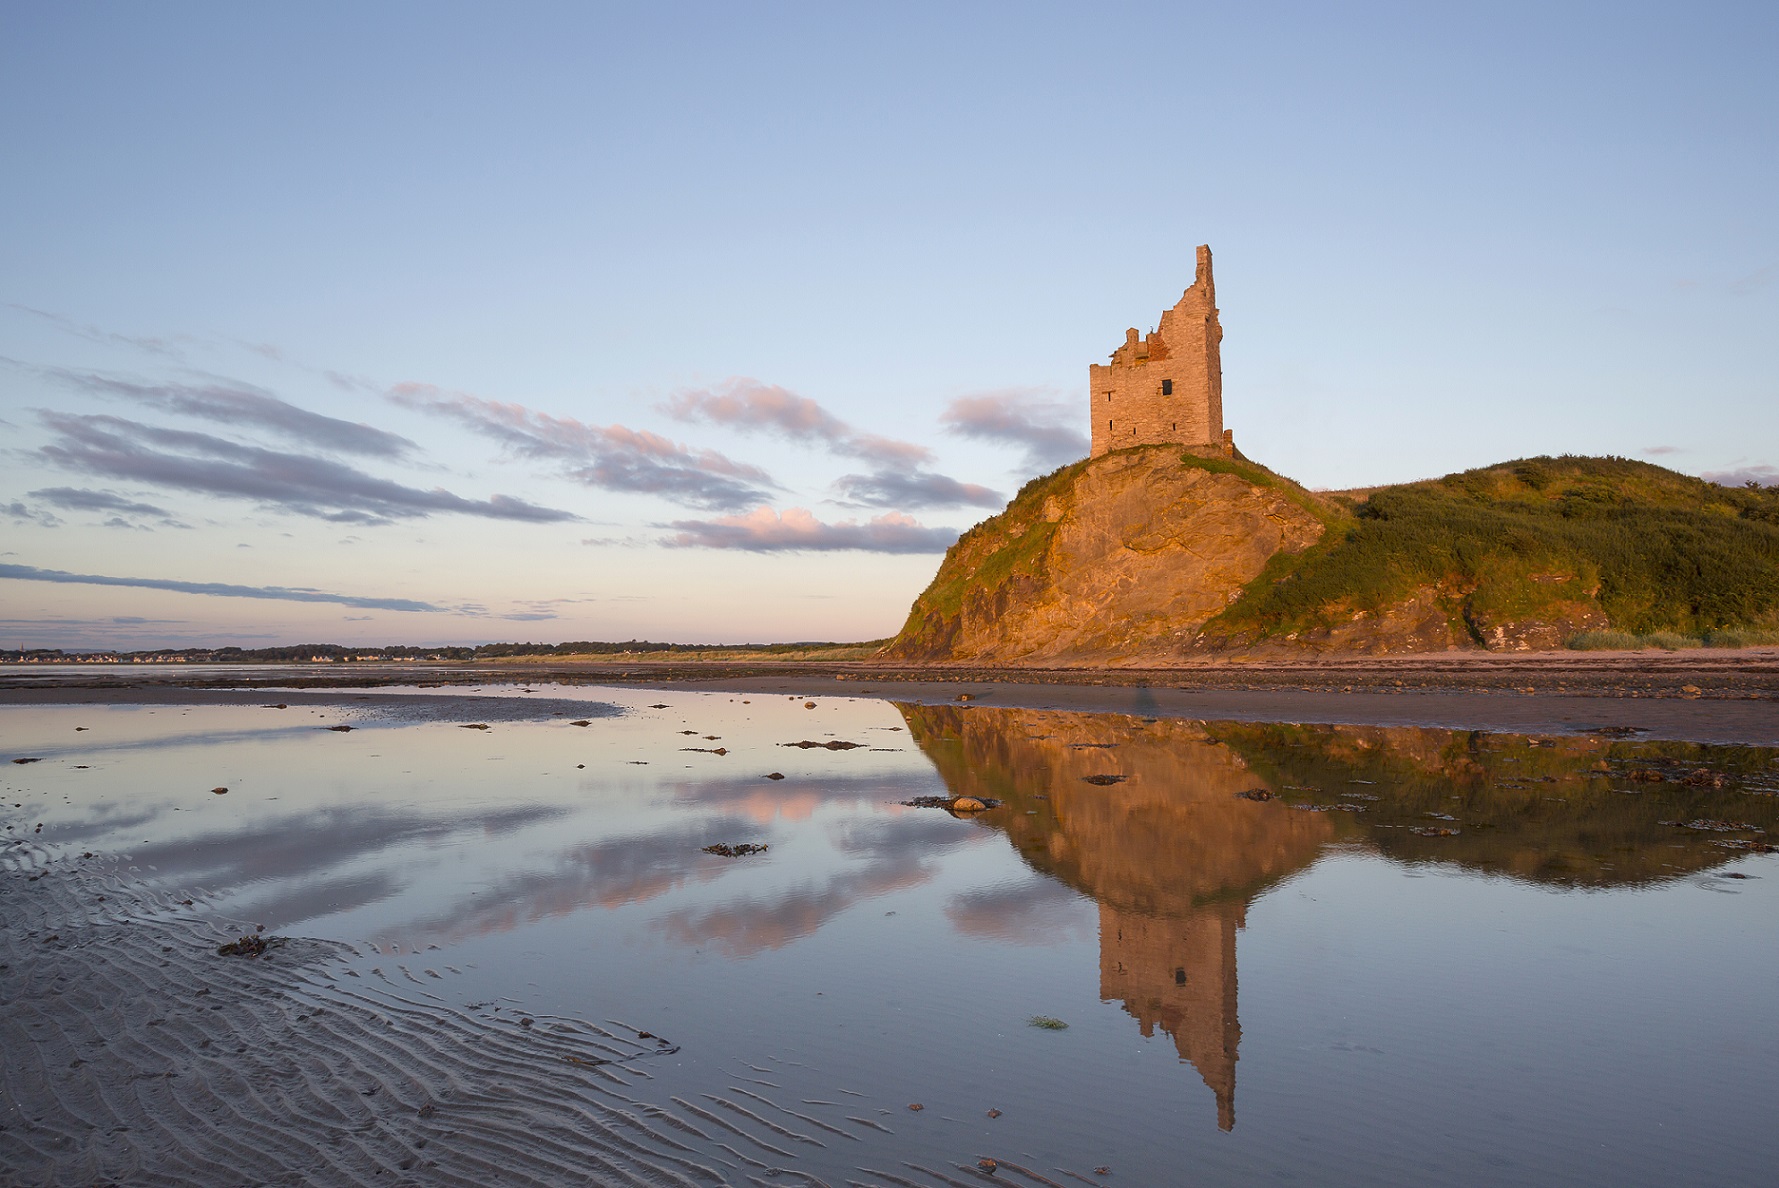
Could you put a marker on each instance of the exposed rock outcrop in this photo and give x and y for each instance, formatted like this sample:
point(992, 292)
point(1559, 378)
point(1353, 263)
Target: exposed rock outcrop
point(1115, 560)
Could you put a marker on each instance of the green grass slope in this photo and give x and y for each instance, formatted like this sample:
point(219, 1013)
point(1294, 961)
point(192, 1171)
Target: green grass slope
point(1604, 541)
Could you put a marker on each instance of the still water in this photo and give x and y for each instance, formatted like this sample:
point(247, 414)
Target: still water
point(1326, 954)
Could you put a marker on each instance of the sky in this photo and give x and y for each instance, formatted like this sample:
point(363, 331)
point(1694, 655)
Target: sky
point(449, 323)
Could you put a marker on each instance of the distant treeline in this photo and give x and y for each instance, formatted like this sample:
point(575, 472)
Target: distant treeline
point(337, 653)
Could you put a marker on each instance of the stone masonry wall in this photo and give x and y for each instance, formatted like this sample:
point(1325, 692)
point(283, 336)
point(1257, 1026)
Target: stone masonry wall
point(1131, 401)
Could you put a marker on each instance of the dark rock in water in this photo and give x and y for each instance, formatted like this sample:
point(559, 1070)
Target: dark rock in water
point(30, 760)
point(580, 722)
point(219, 790)
point(949, 803)
point(833, 744)
point(1255, 794)
point(339, 729)
point(967, 804)
point(472, 726)
point(1104, 780)
point(657, 705)
point(725, 850)
point(708, 750)
point(809, 705)
point(775, 775)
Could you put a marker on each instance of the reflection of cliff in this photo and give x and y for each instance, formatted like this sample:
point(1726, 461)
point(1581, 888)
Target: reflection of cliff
point(1171, 853)
point(1565, 811)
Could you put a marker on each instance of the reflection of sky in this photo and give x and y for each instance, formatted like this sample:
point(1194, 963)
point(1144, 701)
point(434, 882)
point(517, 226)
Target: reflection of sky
point(1385, 1007)
point(438, 833)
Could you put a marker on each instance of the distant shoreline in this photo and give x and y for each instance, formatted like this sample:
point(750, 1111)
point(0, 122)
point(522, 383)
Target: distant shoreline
point(1717, 697)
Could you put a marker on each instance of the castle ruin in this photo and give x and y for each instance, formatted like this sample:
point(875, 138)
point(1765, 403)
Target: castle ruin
point(1166, 388)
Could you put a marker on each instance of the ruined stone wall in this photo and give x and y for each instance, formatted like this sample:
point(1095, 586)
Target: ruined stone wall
point(1165, 388)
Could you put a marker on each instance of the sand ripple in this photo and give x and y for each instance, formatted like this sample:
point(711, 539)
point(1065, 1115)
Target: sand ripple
point(131, 1053)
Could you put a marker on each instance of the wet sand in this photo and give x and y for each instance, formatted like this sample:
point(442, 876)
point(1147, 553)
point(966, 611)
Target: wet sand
point(133, 1053)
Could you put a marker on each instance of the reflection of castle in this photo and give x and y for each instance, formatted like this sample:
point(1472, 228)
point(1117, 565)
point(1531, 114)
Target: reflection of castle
point(1171, 853)
point(1179, 975)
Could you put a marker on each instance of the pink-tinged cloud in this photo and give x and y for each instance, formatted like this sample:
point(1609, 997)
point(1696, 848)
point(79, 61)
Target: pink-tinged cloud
point(1047, 429)
point(749, 404)
point(1759, 475)
point(610, 457)
point(796, 530)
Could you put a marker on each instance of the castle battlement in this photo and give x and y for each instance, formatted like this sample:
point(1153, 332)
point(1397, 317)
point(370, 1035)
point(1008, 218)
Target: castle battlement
point(1165, 388)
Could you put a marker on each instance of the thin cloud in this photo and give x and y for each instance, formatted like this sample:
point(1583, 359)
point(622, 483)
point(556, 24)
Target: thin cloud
point(77, 499)
point(22, 513)
point(92, 333)
point(796, 530)
point(118, 449)
point(1755, 281)
point(609, 457)
point(1663, 450)
point(30, 573)
point(748, 404)
point(1760, 475)
point(233, 403)
point(1045, 428)
point(915, 489)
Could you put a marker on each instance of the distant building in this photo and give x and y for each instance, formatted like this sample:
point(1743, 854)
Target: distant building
point(1166, 388)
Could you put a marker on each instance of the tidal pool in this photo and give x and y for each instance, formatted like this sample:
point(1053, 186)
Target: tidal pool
point(1462, 957)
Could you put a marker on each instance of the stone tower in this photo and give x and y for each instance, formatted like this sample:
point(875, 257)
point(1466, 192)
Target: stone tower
point(1167, 388)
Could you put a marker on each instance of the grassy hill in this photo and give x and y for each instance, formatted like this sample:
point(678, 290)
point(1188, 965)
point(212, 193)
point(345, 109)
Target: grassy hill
point(1536, 553)
point(1621, 546)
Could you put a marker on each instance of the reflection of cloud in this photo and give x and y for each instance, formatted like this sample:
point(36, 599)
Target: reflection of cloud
point(743, 403)
point(31, 573)
point(896, 854)
point(1045, 428)
point(606, 874)
point(309, 844)
point(796, 530)
point(115, 448)
point(610, 457)
point(292, 904)
point(794, 799)
point(1030, 912)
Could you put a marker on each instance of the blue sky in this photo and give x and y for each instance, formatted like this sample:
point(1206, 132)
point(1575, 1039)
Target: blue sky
point(439, 323)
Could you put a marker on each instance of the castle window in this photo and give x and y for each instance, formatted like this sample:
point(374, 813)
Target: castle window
point(1167, 387)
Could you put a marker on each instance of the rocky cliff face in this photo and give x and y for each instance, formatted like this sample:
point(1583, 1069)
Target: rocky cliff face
point(1116, 560)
